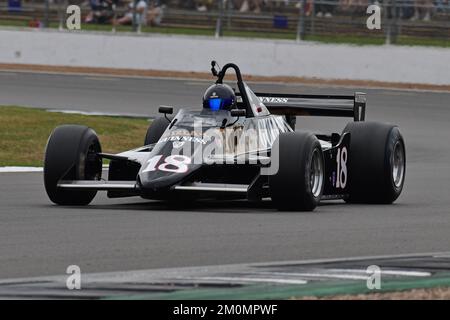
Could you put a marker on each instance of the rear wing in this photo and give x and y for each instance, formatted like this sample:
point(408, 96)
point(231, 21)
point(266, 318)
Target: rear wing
point(292, 105)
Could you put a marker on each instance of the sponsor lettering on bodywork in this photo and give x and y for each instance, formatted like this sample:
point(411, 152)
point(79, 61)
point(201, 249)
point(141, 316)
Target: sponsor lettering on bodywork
point(274, 100)
point(183, 139)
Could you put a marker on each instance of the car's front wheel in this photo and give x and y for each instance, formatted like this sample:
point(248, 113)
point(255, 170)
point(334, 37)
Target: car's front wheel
point(71, 154)
point(299, 181)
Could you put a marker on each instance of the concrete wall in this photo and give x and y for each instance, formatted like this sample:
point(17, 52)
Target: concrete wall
point(257, 57)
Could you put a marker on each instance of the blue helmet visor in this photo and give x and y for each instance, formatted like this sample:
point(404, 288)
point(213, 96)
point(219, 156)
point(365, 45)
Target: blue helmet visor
point(215, 103)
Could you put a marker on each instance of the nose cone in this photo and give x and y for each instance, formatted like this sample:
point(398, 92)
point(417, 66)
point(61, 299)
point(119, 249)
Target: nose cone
point(160, 180)
point(165, 168)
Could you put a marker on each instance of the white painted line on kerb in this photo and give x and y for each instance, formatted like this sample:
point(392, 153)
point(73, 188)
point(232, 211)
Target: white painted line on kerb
point(391, 272)
point(239, 279)
point(316, 275)
point(347, 274)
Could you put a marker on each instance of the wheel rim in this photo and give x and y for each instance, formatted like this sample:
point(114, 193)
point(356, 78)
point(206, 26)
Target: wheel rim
point(398, 164)
point(93, 163)
point(316, 176)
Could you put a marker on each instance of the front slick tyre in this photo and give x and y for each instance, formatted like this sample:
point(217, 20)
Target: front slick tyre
point(298, 183)
point(71, 154)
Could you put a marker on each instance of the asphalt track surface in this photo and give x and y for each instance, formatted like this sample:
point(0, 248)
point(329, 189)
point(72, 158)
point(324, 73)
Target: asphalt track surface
point(38, 238)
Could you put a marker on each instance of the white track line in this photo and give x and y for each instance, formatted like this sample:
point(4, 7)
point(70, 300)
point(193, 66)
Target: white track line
point(99, 113)
point(20, 169)
point(28, 169)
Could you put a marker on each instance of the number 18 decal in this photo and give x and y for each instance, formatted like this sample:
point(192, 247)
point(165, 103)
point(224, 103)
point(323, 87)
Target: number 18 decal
point(341, 159)
point(175, 163)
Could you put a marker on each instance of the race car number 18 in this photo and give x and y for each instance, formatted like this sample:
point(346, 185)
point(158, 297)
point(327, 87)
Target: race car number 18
point(175, 163)
point(341, 160)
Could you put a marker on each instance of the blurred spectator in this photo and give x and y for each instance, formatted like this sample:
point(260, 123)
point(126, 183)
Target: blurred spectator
point(443, 6)
point(203, 5)
point(353, 6)
point(101, 11)
point(308, 7)
point(35, 23)
point(325, 8)
point(406, 9)
point(248, 5)
point(422, 10)
point(127, 18)
point(155, 13)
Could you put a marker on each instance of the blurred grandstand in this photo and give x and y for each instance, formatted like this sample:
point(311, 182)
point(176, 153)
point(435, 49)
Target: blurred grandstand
point(403, 21)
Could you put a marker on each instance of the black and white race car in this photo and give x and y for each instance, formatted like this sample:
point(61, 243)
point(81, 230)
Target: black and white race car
point(240, 145)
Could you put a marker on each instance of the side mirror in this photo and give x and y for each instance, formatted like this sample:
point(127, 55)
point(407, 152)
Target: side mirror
point(238, 113)
point(215, 69)
point(165, 110)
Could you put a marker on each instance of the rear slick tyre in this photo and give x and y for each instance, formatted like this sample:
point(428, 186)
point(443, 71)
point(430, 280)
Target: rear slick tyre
point(377, 162)
point(298, 183)
point(156, 130)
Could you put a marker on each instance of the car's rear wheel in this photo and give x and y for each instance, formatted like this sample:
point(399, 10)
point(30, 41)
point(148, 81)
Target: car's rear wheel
point(71, 154)
point(377, 162)
point(299, 181)
point(156, 130)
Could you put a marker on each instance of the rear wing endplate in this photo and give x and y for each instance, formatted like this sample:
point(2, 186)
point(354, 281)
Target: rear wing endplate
point(316, 105)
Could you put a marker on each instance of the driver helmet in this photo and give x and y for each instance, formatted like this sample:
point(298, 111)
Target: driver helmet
point(219, 97)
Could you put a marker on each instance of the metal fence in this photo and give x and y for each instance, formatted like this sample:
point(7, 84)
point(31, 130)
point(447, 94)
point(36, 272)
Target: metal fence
point(333, 20)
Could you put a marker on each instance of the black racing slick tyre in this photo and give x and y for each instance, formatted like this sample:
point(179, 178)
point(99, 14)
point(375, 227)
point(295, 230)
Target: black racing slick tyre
point(156, 130)
point(298, 183)
point(377, 162)
point(71, 154)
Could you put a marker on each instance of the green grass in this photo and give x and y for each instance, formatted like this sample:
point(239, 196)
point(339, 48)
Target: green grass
point(286, 35)
point(357, 40)
point(13, 23)
point(24, 133)
point(411, 41)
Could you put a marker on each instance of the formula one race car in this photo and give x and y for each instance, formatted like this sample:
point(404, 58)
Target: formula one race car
point(240, 145)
